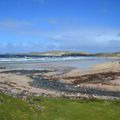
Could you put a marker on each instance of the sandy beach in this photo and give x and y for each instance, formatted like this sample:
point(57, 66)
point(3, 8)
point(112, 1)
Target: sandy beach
point(100, 81)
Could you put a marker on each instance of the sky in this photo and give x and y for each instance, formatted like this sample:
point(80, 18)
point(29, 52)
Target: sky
point(71, 25)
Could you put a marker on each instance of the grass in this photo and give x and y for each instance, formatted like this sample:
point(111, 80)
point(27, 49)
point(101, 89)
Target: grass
point(42, 108)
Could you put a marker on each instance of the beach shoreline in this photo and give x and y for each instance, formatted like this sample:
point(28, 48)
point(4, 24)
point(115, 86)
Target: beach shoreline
point(101, 81)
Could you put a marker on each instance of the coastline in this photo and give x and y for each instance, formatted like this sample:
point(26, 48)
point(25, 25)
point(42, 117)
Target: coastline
point(22, 83)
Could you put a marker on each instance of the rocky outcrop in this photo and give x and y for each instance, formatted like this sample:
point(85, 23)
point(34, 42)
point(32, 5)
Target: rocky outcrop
point(61, 89)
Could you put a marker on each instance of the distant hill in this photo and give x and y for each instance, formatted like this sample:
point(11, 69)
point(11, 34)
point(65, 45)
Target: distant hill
point(71, 53)
point(115, 54)
point(61, 54)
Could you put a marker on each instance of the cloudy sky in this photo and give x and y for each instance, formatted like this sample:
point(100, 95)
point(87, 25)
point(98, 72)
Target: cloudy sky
point(43, 25)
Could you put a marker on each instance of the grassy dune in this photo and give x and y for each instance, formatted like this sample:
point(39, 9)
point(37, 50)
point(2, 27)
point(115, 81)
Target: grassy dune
point(41, 108)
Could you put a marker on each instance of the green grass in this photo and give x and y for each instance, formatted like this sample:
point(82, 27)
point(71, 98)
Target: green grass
point(41, 108)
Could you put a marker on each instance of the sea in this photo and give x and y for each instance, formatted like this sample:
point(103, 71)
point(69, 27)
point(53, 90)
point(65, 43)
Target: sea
point(36, 63)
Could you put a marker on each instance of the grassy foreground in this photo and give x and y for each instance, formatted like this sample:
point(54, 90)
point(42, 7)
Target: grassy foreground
point(41, 108)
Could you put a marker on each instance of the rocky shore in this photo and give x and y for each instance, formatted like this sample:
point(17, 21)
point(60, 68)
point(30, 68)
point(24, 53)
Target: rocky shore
point(100, 82)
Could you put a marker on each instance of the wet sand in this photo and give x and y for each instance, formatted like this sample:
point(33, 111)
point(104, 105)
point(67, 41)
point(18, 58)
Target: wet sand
point(101, 81)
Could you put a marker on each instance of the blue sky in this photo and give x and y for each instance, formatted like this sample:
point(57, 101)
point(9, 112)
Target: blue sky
point(43, 25)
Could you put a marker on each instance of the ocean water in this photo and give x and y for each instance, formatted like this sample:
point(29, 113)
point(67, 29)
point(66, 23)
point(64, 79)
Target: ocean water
point(40, 59)
point(51, 62)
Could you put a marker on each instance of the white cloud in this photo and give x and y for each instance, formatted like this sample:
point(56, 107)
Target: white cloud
point(87, 38)
point(67, 37)
point(14, 24)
